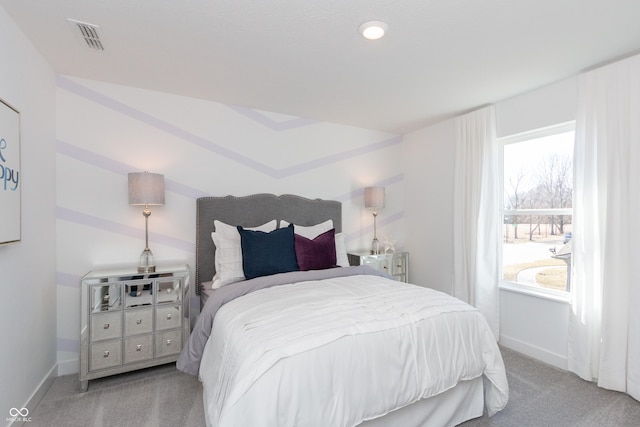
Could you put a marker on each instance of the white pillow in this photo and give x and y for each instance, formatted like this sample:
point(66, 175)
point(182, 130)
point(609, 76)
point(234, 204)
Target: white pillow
point(231, 231)
point(228, 259)
point(341, 251)
point(313, 231)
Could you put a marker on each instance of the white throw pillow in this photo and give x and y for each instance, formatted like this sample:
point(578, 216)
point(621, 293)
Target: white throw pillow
point(228, 259)
point(313, 231)
point(341, 251)
point(310, 231)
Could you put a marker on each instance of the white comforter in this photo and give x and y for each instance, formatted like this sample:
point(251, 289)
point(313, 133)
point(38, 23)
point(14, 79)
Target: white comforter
point(340, 351)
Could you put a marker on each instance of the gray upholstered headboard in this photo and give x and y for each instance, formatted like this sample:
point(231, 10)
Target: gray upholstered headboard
point(250, 211)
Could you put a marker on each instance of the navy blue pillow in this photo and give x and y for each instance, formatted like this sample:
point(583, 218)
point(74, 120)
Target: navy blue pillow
point(264, 254)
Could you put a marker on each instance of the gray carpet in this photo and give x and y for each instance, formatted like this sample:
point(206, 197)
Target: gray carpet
point(540, 396)
point(160, 396)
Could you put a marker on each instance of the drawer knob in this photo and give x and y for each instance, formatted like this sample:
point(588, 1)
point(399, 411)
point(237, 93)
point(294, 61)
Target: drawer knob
point(106, 326)
point(105, 354)
point(139, 321)
point(169, 316)
point(139, 347)
point(168, 342)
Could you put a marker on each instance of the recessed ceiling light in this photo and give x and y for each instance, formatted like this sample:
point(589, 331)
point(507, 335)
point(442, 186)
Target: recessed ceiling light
point(373, 30)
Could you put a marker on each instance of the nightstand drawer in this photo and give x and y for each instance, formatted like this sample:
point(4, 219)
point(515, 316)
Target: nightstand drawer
point(168, 317)
point(399, 266)
point(138, 348)
point(105, 298)
point(105, 354)
point(168, 342)
point(371, 261)
point(168, 291)
point(138, 321)
point(138, 293)
point(106, 326)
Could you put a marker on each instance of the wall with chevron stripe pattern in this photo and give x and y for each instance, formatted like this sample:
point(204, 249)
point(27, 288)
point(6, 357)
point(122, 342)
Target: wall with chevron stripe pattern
point(203, 148)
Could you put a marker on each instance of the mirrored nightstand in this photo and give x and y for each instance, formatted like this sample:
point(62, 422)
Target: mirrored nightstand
point(132, 320)
point(396, 264)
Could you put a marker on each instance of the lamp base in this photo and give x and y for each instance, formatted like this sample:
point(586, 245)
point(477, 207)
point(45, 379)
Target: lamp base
point(147, 264)
point(375, 246)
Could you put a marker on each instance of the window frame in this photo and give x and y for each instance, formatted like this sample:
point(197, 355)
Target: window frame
point(546, 293)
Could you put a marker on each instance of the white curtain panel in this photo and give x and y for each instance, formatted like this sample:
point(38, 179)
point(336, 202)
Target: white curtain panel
point(604, 327)
point(476, 233)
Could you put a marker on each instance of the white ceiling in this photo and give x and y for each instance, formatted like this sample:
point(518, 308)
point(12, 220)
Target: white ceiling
point(305, 57)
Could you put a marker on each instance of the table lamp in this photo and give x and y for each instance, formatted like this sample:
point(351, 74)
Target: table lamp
point(146, 189)
point(374, 200)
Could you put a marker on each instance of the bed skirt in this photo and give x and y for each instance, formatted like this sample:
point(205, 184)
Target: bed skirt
point(452, 407)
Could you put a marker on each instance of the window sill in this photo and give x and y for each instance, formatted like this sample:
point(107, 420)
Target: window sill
point(548, 294)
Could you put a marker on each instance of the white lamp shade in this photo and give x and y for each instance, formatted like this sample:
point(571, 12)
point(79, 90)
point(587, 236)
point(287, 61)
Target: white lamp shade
point(146, 188)
point(374, 197)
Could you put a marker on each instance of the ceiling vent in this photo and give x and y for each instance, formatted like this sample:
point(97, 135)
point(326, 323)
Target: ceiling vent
point(87, 34)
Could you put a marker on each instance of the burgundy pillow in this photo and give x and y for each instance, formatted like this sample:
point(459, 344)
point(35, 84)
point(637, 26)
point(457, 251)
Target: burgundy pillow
point(318, 253)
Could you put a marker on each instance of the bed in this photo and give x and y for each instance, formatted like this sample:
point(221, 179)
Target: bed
point(330, 346)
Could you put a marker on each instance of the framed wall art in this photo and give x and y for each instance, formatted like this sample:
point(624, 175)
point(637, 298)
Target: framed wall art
point(10, 176)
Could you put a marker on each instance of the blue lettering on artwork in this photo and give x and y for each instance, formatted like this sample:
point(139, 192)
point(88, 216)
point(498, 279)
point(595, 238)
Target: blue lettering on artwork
point(8, 177)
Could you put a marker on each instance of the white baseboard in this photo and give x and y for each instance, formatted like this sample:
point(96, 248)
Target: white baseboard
point(39, 392)
point(68, 367)
point(546, 356)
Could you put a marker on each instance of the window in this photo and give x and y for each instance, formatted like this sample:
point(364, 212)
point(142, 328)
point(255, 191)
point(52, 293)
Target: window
point(537, 209)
